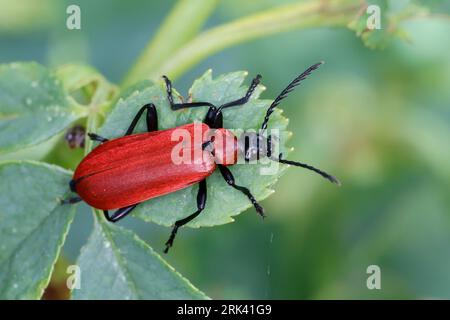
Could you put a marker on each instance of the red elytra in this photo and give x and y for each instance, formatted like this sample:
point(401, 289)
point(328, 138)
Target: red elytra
point(139, 167)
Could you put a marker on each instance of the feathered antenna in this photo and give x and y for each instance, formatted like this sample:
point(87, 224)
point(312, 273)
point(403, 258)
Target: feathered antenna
point(286, 91)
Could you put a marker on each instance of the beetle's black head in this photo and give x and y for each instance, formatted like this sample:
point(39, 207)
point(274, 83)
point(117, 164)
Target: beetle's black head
point(254, 146)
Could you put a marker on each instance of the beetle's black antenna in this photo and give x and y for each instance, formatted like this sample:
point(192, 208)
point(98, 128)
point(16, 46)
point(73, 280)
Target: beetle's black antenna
point(327, 176)
point(286, 91)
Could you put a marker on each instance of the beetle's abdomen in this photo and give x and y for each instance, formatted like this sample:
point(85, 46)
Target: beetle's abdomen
point(135, 168)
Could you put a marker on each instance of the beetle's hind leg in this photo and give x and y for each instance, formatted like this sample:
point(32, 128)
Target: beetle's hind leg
point(201, 202)
point(119, 214)
point(72, 185)
point(71, 200)
point(228, 176)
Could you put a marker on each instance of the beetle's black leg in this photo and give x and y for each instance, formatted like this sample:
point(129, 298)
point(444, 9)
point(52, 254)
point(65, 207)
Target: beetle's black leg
point(214, 118)
point(151, 119)
point(201, 202)
point(71, 200)
point(72, 186)
point(228, 176)
point(245, 98)
point(176, 106)
point(96, 137)
point(119, 214)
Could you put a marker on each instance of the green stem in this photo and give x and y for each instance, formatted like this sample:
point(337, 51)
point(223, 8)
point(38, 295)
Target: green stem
point(281, 19)
point(180, 26)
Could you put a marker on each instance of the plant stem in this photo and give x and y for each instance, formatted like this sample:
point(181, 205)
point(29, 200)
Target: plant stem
point(284, 18)
point(180, 26)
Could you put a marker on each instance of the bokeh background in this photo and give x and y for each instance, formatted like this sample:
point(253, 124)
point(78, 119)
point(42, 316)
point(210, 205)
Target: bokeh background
point(377, 119)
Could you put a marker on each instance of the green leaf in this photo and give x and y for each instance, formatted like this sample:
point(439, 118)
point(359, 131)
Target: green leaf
point(223, 201)
point(116, 264)
point(77, 76)
point(33, 106)
point(33, 226)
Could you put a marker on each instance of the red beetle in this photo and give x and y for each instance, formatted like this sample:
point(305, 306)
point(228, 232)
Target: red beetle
point(124, 172)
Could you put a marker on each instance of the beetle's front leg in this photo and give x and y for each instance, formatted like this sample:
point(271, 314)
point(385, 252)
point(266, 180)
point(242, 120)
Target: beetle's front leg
point(176, 106)
point(246, 97)
point(215, 120)
point(201, 202)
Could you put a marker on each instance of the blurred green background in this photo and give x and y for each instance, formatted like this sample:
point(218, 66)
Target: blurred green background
point(377, 119)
